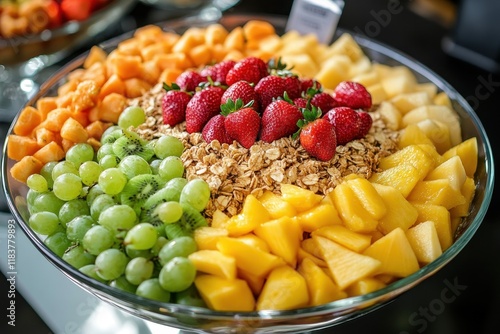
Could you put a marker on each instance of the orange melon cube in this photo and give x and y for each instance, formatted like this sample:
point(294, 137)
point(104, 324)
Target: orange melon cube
point(28, 119)
point(20, 146)
point(22, 169)
point(50, 152)
point(73, 131)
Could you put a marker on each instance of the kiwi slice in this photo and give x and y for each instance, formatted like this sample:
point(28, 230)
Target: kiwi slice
point(191, 219)
point(165, 194)
point(130, 143)
point(139, 188)
point(111, 137)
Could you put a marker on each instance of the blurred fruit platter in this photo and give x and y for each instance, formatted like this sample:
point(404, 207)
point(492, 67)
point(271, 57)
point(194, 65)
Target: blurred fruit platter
point(242, 170)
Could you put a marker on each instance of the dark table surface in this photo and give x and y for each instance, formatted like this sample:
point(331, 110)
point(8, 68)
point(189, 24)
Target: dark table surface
point(475, 273)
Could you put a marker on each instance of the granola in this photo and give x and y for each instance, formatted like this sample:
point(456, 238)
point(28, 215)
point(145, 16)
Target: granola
point(233, 171)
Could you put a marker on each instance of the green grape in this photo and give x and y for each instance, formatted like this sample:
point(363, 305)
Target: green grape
point(44, 222)
point(178, 247)
point(104, 150)
point(155, 165)
point(108, 131)
point(90, 270)
point(67, 186)
point(131, 116)
point(99, 204)
point(79, 153)
point(46, 172)
point(89, 172)
point(112, 181)
point(118, 217)
point(167, 146)
point(160, 242)
point(110, 264)
point(123, 284)
point(133, 165)
point(47, 202)
point(190, 297)
point(138, 270)
point(141, 236)
point(109, 161)
point(196, 193)
point(58, 243)
point(133, 253)
point(37, 183)
point(169, 212)
point(152, 289)
point(97, 239)
point(78, 227)
point(78, 257)
point(93, 192)
point(73, 208)
point(171, 167)
point(31, 195)
point(177, 274)
point(63, 167)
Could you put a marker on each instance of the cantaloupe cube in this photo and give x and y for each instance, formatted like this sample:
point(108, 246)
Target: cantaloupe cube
point(424, 241)
point(440, 216)
point(206, 237)
point(284, 289)
point(467, 151)
point(301, 199)
point(276, 205)
point(214, 262)
point(345, 237)
point(222, 294)
point(395, 254)
point(323, 214)
point(50, 152)
point(29, 118)
point(73, 131)
point(320, 286)
point(20, 146)
point(22, 169)
point(345, 265)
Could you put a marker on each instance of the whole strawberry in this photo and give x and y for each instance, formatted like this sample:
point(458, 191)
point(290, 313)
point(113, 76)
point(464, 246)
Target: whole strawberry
point(203, 105)
point(173, 105)
point(241, 90)
point(300, 102)
point(269, 88)
point(242, 122)
point(292, 84)
point(306, 83)
point(317, 135)
point(189, 80)
point(345, 122)
point(365, 124)
point(279, 120)
point(216, 130)
point(353, 95)
point(250, 69)
point(218, 72)
point(323, 101)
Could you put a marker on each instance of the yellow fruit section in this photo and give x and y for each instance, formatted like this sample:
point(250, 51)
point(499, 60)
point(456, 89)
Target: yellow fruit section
point(222, 294)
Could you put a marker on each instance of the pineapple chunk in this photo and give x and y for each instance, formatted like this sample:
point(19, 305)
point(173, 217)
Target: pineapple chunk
point(283, 237)
point(377, 92)
point(333, 71)
point(398, 80)
point(352, 212)
point(413, 155)
point(455, 223)
point(391, 116)
point(320, 215)
point(368, 196)
point(255, 282)
point(254, 241)
point(321, 288)
point(206, 237)
point(219, 219)
point(424, 241)
point(453, 170)
point(408, 101)
point(395, 254)
point(442, 99)
point(249, 258)
point(432, 153)
point(362, 65)
point(437, 132)
point(367, 78)
point(364, 286)
point(437, 192)
point(301, 199)
point(429, 88)
point(467, 151)
point(346, 45)
point(441, 218)
point(222, 294)
point(311, 246)
point(252, 215)
point(413, 135)
point(343, 236)
point(284, 289)
point(403, 177)
point(400, 212)
point(345, 265)
point(302, 254)
point(303, 64)
point(214, 262)
point(468, 189)
point(276, 205)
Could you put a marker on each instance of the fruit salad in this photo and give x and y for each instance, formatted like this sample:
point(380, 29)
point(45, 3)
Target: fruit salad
point(242, 170)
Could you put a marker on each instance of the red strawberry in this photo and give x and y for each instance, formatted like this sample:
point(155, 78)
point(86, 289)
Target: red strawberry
point(250, 69)
point(353, 95)
point(305, 84)
point(269, 88)
point(292, 84)
point(78, 10)
point(300, 102)
point(218, 72)
point(215, 130)
point(174, 104)
point(346, 123)
point(241, 90)
point(243, 125)
point(279, 120)
point(317, 135)
point(323, 101)
point(203, 105)
point(189, 80)
point(365, 124)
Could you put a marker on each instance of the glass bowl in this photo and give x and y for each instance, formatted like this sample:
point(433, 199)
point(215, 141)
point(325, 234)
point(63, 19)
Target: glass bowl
point(304, 319)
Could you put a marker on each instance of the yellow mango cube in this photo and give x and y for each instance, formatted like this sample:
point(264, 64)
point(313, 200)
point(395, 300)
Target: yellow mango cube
point(320, 215)
point(301, 199)
point(222, 294)
point(345, 237)
point(424, 241)
point(214, 262)
point(255, 282)
point(252, 215)
point(276, 205)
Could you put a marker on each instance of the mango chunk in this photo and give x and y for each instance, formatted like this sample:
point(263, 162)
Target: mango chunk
point(222, 294)
point(252, 215)
point(214, 262)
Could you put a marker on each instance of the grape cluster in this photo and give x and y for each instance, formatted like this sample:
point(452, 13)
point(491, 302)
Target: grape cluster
point(123, 215)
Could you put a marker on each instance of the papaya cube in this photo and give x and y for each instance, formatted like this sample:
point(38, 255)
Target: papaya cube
point(222, 294)
point(424, 241)
point(284, 289)
point(395, 254)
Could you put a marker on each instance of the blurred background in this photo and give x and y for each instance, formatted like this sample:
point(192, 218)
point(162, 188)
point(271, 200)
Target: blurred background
point(458, 40)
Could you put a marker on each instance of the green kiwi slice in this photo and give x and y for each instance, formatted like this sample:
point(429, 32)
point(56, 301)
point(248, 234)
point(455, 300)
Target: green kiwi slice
point(130, 143)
